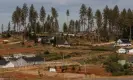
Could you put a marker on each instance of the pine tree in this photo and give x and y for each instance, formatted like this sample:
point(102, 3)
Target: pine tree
point(64, 27)
point(24, 14)
point(83, 16)
point(33, 15)
point(2, 28)
point(130, 21)
point(98, 16)
point(42, 17)
point(68, 14)
point(14, 19)
point(9, 27)
point(18, 17)
point(105, 23)
point(77, 26)
point(71, 26)
point(90, 18)
point(115, 21)
point(55, 21)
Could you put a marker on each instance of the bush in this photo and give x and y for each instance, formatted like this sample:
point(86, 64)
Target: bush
point(112, 65)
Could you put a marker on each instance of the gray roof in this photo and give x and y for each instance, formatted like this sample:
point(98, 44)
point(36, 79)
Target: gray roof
point(125, 41)
point(3, 62)
point(33, 59)
point(62, 42)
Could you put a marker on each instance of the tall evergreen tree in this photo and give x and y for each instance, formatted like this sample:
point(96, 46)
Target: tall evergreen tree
point(130, 21)
point(55, 21)
point(110, 21)
point(77, 26)
point(90, 18)
point(115, 21)
point(38, 27)
point(105, 22)
point(42, 17)
point(24, 14)
point(64, 27)
point(9, 27)
point(2, 28)
point(122, 24)
point(33, 15)
point(83, 16)
point(14, 19)
point(71, 26)
point(68, 14)
point(98, 16)
point(18, 17)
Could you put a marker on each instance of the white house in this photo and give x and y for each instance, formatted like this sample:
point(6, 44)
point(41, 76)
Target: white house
point(130, 51)
point(123, 42)
point(122, 51)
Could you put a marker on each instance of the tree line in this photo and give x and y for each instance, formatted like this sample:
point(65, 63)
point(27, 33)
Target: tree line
point(33, 21)
point(111, 23)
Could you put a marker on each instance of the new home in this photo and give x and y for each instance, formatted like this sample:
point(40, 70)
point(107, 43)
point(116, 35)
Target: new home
point(123, 42)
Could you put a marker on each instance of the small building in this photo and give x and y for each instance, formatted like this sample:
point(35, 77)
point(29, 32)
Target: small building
point(122, 51)
point(62, 43)
point(123, 42)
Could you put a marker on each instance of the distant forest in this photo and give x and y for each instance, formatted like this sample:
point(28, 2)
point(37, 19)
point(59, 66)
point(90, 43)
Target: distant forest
point(111, 23)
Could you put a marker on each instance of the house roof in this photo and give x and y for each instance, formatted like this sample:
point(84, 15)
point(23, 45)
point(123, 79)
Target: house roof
point(3, 62)
point(13, 59)
point(61, 42)
point(33, 59)
point(125, 41)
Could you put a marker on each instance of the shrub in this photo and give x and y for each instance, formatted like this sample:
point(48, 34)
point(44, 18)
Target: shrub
point(112, 65)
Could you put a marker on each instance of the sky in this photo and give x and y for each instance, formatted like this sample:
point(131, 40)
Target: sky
point(8, 6)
